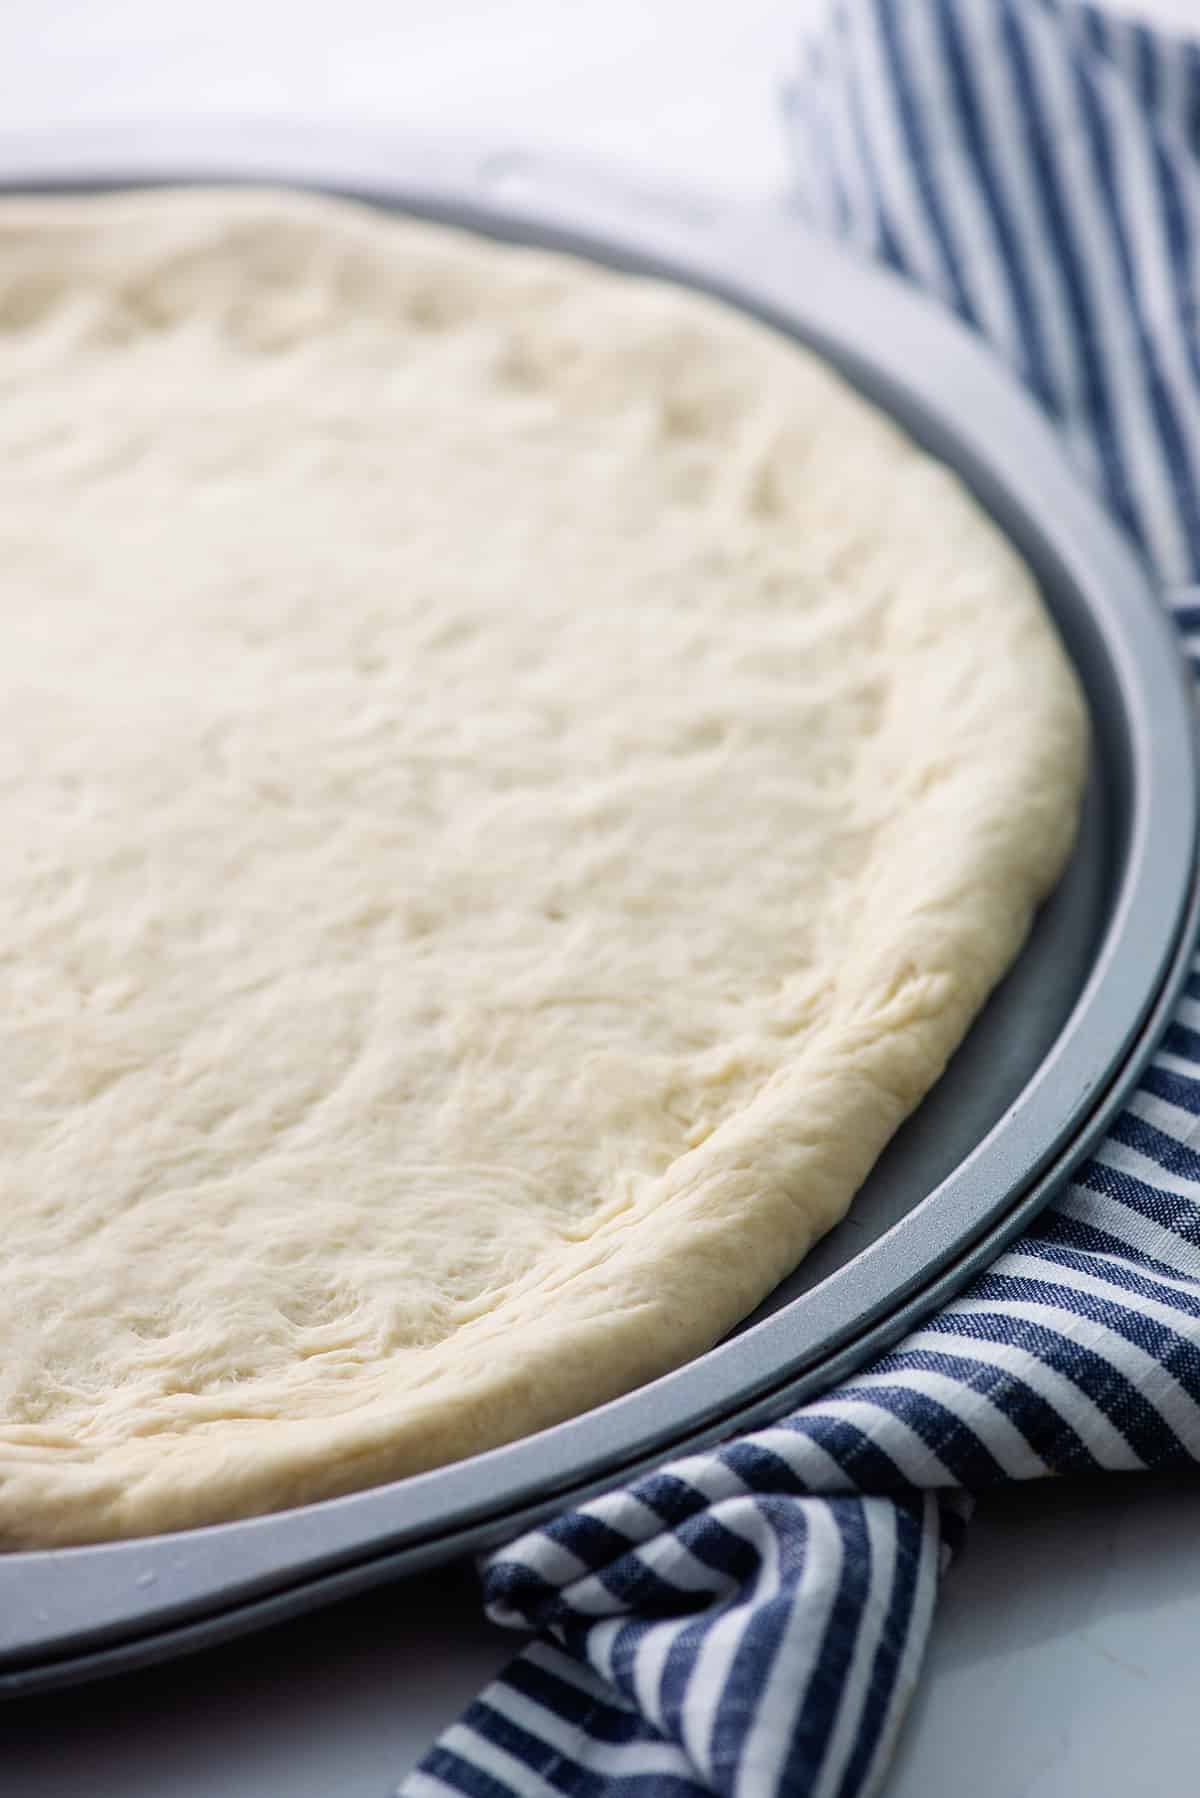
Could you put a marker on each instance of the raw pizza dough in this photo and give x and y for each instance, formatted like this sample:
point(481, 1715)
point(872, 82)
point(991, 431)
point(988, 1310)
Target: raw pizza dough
point(514, 781)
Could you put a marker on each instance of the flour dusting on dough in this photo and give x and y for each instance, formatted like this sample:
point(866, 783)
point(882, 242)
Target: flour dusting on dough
point(514, 782)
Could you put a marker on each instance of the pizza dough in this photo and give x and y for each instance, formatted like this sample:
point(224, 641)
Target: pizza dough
point(514, 781)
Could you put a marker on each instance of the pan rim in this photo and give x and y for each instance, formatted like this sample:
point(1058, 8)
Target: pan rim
point(1098, 1053)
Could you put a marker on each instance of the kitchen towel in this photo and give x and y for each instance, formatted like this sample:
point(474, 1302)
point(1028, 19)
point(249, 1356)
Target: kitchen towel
point(752, 1620)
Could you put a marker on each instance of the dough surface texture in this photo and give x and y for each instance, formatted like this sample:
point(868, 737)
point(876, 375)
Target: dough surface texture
point(514, 782)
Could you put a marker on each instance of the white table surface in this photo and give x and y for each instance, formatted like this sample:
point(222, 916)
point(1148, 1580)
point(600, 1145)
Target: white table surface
point(1064, 1659)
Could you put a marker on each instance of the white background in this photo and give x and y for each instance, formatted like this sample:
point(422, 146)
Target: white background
point(681, 87)
point(1066, 1652)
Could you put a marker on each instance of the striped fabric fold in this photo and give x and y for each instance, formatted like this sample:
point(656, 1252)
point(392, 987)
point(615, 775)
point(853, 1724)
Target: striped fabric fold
point(1032, 164)
point(751, 1621)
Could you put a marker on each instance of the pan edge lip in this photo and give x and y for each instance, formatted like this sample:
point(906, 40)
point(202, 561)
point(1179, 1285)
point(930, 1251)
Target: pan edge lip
point(1153, 816)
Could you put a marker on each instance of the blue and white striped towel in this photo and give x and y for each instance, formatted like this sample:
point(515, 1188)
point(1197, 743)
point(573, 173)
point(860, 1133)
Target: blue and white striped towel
point(752, 1620)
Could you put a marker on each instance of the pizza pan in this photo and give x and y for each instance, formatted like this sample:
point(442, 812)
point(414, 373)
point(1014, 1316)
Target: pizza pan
point(1031, 1091)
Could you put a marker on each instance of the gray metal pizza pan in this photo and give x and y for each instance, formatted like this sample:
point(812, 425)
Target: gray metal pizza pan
point(1043, 1071)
